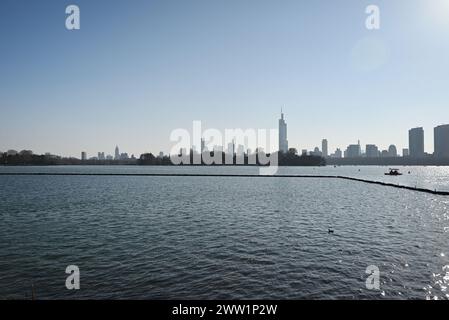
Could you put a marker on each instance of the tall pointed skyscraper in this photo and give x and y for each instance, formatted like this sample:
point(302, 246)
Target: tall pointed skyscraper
point(283, 142)
point(117, 153)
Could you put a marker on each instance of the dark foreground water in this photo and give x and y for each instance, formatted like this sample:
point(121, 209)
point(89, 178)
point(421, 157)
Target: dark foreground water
point(224, 238)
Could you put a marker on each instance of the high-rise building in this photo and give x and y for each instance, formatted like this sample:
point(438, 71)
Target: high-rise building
point(385, 154)
point(416, 142)
point(405, 152)
point(441, 141)
point(372, 151)
point(353, 151)
point(83, 156)
point(283, 142)
point(240, 150)
point(392, 151)
point(117, 153)
point(231, 148)
point(324, 148)
point(316, 152)
point(338, 153)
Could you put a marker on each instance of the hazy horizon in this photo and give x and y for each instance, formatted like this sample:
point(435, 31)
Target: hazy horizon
point(136, 71)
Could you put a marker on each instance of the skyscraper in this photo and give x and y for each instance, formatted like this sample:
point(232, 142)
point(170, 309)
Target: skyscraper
point(353, 151)
point(392, 151)
point(372, 151)
point(416, 142)
point(338, 153)
point(316, 152)
point(324, 148)
point(117, 153)
point(240, 150)
point(405, 152)
point(283, 142)
point(231, 148)
point(441, 139)
point(83, 156)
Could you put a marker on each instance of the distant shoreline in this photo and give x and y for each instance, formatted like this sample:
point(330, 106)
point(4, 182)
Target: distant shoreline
point(283, 160)
point(218, 165)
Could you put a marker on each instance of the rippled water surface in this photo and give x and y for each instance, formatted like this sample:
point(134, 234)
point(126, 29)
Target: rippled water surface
point(214, 237)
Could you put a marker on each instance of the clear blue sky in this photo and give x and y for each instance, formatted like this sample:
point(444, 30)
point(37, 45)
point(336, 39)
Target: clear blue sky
point(139, 69)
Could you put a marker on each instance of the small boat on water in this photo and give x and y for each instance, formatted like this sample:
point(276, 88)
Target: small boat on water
point(393, 172)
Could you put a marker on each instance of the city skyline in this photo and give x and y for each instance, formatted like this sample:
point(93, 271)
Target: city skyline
point(415, 149)
point(132, 76)
point(225, 158)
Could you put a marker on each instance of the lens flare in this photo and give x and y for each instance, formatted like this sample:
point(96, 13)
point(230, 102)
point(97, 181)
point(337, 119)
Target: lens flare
point(439, 11)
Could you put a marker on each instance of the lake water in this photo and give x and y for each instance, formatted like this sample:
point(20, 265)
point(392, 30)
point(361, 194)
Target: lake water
point(223, 238)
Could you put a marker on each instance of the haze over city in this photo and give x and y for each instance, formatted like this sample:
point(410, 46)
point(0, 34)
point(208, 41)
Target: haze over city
point(132, 74)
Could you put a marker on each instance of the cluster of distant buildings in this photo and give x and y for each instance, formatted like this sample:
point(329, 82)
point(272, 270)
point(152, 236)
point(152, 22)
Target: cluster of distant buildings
point(415, 150)
point(101, 156)
point(354, 154)
point(232, 149)
point(372, 155)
